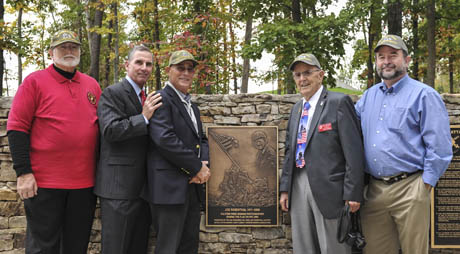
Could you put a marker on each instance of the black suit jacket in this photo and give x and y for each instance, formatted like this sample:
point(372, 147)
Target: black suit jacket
point(121, 171)
point(176, 150)
point(334, 157)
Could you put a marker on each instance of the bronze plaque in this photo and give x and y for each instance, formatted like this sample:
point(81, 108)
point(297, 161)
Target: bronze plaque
point(243, 188)
point(445, 201)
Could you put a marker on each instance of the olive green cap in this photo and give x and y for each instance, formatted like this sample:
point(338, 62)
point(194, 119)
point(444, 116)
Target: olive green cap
point(305, 58)
point(393, 41)
point(179, 56)
point(63, 36)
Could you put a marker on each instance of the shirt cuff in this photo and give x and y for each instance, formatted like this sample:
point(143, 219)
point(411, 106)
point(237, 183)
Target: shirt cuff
point(145, 119)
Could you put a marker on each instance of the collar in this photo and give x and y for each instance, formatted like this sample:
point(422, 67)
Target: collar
point(66, 74)
point(314, 99)
point(136, 88)
point(185, 98)
point(61, 79)
point(396, 87)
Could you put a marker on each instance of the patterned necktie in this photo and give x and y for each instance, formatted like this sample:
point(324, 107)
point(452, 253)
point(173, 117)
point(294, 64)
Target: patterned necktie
point(302, 137)
point(143, 98)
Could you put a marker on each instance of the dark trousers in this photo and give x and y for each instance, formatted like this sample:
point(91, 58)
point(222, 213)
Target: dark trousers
point(125, 226)
point(178, 226)
point(59, 221)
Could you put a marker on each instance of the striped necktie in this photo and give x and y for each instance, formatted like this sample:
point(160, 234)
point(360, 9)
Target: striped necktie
point(302, 137)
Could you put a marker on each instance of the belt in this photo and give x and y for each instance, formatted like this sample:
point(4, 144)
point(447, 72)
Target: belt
point(393, 179)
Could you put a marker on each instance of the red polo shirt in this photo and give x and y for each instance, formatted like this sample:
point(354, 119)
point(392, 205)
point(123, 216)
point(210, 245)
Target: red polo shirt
point(60, 116)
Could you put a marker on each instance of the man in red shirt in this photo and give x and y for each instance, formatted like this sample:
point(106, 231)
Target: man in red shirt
point(53, 137)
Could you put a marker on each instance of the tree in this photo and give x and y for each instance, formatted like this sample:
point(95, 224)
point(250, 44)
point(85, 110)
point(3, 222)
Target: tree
point(116, 60)
point(94, 14)
point(394, 8)
point(19, 23)
point(431, 42)
point(415, 10)
point(319, 33)
point(2, 31)
point(233, 52)
point(246, 60)
point(156, 40)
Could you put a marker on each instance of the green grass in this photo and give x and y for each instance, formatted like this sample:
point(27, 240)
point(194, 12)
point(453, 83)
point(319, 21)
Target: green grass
point(345, 91)
point(335, 89)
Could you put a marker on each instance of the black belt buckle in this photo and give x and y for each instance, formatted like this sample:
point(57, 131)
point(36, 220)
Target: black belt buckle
point(393, 179)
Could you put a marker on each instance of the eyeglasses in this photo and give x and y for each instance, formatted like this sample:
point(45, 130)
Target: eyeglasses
point(181, 68)
point(298, 75)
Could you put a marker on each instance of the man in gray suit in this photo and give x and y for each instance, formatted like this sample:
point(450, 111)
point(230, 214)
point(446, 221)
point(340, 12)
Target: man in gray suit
point(124, 113)
point(323, 167)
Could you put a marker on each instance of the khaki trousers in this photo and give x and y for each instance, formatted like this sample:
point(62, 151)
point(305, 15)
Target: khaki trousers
point(396, 216)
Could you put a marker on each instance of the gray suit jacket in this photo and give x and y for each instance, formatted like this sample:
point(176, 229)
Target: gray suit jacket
point(121, 171)
point(334, 157)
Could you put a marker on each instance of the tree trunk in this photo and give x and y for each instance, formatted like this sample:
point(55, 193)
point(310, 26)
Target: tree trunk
point(105, 82)
point(232, 52)
point(19, 45)
point(296, 18)
point(81, 66)
point(451, 65)
point(94, 38)
point(246, 61)
point(116, 45)
point(370, 50)
point(415, 39)
point(156, 39)
point(430, 42)
point(374, 31)
point(394, 8)
point(296, 11)
point(2, 60)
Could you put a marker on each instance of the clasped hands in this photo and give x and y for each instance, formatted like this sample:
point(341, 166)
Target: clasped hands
point(203, 175)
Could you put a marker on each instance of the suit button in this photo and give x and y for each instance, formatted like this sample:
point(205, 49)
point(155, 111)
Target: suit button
point(197, 146)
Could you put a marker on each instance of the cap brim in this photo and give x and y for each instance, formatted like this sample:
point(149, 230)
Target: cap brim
point(303, 61)
point(57, 44)
point(195, 63)
point(389, 45)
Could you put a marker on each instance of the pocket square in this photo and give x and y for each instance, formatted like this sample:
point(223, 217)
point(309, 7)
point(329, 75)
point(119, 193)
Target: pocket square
point(325, 127)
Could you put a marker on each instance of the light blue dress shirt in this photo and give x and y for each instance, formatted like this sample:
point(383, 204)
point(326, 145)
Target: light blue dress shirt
point(405, 128)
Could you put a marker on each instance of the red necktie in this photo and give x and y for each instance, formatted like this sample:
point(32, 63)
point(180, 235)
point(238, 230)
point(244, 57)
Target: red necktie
point(143, 98)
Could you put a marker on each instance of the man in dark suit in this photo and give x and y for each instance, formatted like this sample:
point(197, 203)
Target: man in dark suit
point(323, 167)
point(177, 161)
point(123, 113)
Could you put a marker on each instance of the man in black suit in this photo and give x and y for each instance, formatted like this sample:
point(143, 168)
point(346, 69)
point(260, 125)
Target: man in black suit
point(123, 113)
point(323, 167)
point(177, 161)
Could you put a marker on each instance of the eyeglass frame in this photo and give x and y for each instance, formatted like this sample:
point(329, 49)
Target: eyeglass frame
point(307, 73)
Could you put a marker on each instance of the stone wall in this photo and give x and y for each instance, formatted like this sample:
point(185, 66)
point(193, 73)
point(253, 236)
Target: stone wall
point(243, 109)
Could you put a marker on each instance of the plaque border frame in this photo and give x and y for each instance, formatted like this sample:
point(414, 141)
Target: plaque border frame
point(277, 182)
point(432, 233)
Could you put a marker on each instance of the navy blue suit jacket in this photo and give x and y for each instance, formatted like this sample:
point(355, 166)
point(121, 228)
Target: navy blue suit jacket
point(176, 150)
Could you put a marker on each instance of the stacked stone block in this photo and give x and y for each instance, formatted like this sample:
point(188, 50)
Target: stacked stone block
point(216, 110)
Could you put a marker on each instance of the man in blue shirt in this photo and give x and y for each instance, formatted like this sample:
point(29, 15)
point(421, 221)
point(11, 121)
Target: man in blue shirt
point(407, 146)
